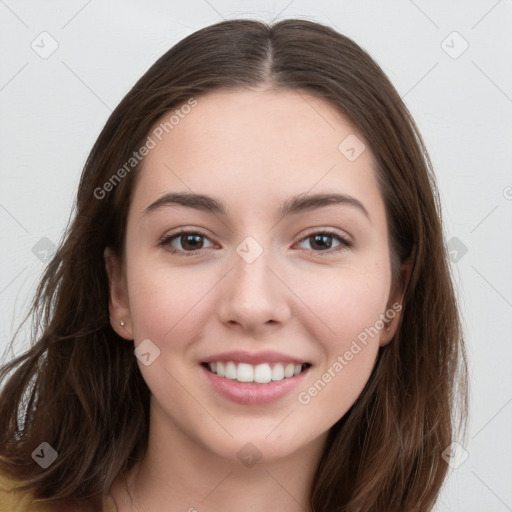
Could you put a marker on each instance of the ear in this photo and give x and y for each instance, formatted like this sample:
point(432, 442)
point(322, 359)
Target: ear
point(395, 304)
point(118, 305)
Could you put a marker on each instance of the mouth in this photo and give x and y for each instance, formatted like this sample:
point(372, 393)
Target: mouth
point(263, 373)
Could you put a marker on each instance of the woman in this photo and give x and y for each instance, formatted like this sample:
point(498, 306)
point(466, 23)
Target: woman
point(252, 308)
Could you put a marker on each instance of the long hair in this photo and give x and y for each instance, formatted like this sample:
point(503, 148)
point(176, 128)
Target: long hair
point(78, 387)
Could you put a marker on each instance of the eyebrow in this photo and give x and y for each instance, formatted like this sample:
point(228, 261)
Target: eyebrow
point(292, 206)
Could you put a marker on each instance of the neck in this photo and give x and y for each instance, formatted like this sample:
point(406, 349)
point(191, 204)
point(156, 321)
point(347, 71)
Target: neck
point(178, 470)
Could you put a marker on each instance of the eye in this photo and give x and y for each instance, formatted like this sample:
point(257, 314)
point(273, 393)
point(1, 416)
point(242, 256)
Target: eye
point(191, 242)
point(321, 242)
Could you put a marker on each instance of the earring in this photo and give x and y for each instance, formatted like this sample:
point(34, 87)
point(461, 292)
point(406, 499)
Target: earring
point(121, 323)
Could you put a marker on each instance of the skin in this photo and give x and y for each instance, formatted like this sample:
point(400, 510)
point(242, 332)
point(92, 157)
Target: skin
point(252, 150)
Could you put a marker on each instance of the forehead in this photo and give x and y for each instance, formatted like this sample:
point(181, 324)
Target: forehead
point(255, 117)
point(277, 142)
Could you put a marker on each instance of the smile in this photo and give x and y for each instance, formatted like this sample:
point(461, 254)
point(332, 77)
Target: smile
point(259, 374)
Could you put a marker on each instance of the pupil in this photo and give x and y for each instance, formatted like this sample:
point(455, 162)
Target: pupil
point(321, 238)
point(196, 240)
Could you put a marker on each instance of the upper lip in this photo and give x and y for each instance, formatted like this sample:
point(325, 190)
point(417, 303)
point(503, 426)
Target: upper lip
point(264, 356)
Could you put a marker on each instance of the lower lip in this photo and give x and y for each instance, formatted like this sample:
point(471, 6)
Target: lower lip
point(247, 393)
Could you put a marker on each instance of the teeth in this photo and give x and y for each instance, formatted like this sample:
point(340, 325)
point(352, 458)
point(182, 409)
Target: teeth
point(230, 371)
point(261, 373)
point(288, 371)
point(278, 372)
point(245, 373)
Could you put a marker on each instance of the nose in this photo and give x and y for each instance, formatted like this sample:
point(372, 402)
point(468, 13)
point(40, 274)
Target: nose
point(253, 296)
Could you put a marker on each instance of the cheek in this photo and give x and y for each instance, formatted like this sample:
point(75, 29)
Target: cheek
point(346, 303)
point(335, 389)
point(348, 328)
point(165, 302)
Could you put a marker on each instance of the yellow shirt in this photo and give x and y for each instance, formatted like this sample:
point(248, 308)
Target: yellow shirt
point(16, 501)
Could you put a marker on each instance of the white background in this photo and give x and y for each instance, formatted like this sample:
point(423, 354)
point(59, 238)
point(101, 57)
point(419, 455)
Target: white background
point(53, 109)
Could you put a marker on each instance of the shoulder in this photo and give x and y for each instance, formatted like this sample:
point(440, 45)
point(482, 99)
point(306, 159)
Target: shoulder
point(13, 500)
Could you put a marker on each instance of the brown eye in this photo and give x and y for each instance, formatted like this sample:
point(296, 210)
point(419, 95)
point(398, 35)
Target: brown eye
point(185, 242)
point(191, 241)
point(322, 241)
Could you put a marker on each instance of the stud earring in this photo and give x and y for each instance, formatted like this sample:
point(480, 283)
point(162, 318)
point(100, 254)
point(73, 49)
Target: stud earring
point(121, 323)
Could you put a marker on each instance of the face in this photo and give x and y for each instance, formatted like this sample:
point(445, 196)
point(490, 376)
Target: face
point(258, 310)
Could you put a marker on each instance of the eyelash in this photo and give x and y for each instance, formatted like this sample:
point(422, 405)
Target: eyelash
point(166, 241)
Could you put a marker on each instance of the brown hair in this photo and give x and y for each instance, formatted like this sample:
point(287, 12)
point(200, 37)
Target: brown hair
point(79, 387)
